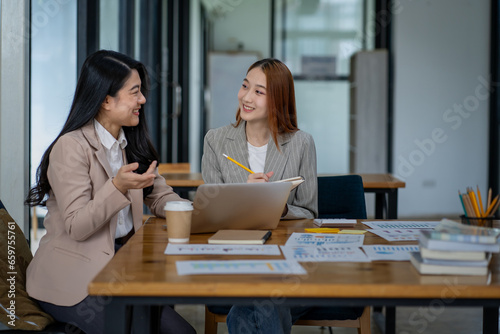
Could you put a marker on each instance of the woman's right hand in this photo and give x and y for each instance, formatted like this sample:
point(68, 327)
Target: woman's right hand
point(126, 179)
point(259, 177)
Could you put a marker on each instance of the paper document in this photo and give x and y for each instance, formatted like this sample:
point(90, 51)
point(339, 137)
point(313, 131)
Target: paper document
point(324, 239)
point(239, 267)
point(389, 252)
point(403, 234)
point(194, 249)
point(324, 254)
point(401, 224)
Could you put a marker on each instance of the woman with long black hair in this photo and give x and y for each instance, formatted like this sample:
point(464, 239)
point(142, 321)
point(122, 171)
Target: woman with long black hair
point(94, 179)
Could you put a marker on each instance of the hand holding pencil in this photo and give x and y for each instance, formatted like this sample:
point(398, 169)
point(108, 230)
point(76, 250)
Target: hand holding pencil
point(253, 177)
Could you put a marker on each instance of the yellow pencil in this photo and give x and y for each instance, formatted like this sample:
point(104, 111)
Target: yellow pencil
point(236, 162)
point(474, 203)
point(480, 200)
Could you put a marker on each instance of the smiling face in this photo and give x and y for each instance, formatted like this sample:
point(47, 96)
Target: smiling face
point(252, 97)
point(124, 108)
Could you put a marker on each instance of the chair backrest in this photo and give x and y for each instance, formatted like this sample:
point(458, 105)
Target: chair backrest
point(28, 315)
point(181, 167)
point(341, 196)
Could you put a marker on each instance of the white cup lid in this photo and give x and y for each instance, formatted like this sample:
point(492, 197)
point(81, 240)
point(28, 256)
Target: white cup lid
point(179, 206)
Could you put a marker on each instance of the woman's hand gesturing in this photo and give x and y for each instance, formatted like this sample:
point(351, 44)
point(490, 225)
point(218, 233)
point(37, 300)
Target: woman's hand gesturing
point(126, 179)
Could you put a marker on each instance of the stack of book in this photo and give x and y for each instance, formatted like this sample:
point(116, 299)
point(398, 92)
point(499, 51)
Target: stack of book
point(456, 249)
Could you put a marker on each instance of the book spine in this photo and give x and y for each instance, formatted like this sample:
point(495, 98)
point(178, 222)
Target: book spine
point(481, 239)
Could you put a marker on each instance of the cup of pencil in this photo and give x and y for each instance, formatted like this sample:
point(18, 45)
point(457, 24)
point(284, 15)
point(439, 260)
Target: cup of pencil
point(475, 213)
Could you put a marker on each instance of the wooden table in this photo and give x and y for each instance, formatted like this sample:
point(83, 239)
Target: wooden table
point(385, 187)
point(141, 274)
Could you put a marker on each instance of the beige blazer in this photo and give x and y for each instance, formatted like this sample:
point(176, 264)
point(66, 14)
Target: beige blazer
point(296, 157)
point(82, 216)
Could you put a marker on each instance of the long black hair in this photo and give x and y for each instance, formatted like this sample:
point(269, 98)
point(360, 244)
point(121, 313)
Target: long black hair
point(103, 73)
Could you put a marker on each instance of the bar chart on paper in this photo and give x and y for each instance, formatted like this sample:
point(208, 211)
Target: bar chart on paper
point(192, 249)
point(324, 254)
point(397, 234)
point(389, 252)
point(239, 267)
point(400, 224)
point(323, 239)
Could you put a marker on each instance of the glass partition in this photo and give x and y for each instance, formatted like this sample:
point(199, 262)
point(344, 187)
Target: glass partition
point(316, 38)
point(319, 36)
point(109, 24)
point(53, 74)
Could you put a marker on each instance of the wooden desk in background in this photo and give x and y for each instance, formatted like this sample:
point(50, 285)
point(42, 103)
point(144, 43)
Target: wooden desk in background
point(141, 274)
point(381, 184)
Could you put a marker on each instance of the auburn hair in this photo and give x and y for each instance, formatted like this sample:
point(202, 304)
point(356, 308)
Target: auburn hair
point(280, 93)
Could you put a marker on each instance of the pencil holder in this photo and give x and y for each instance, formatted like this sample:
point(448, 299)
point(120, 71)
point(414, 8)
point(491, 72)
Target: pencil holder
point(483, 222)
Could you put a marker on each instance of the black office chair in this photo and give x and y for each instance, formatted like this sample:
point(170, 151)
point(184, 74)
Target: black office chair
point(29, 315)
point(338, 197)
point(341, 196)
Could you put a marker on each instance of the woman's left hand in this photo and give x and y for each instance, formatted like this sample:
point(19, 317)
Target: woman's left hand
point(125, 179)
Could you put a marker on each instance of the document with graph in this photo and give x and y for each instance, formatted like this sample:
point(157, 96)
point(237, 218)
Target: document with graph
point(324, 239)
point(239, 267)
point(389, 252)
point(324, 254)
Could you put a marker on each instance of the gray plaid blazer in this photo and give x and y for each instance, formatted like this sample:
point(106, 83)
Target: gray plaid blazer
point(297, 157)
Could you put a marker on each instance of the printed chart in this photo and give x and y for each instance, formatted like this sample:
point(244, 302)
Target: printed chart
point(401, 224)
point(389, 253)
point(324, 254)
point(398, 234)
point(195, 249)
point(324, 239)
point(239, 267)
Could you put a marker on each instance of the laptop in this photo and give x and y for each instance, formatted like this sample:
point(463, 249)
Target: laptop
point(238, 206)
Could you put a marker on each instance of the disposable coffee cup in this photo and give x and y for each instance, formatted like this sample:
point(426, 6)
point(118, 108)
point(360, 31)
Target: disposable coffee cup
point(178, 216)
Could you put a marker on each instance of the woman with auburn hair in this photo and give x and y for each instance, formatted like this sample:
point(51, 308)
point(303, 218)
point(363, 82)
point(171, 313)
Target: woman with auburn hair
point(94, 179)
point(266, 139)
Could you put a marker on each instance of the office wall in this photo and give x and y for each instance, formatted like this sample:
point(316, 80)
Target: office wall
point(245, 22)
point(440, 103)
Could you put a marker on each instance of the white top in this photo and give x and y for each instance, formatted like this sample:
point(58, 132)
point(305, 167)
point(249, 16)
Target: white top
point(113, 149)
point(257, 157)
